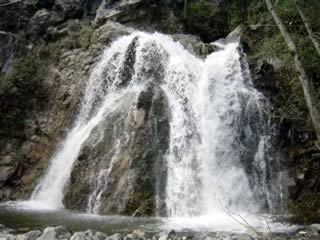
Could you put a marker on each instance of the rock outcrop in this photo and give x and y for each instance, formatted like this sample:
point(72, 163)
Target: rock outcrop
point(121, 165)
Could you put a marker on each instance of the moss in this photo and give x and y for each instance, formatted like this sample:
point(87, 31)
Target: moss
point(140, 204)
point(202, 8)
point(306, 210)
point(34, 176)
point(206, 19)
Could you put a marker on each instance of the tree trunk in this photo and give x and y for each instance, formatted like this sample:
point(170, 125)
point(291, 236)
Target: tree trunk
point(305, 82)
point(307, 25)
point(185, 9)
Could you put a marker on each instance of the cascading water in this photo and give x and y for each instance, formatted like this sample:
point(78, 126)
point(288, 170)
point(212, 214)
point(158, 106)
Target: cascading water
point(219, 152)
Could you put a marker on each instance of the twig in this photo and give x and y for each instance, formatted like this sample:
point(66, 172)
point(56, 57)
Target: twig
point(9, 3)
point(245, 224)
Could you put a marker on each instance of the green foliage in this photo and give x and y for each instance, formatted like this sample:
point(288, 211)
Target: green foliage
point(21, 91)
point(140, 204)
point(202, 9)
point(306, 210)
point(206, 19)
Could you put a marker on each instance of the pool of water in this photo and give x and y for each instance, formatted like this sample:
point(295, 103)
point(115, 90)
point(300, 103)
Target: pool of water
point(25, 216)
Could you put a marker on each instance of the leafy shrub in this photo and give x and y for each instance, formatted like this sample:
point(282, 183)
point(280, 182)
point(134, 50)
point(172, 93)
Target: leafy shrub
point(21, 91)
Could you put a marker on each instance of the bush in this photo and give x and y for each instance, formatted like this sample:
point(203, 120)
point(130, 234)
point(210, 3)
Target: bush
point(21, 91)
point(207, 19)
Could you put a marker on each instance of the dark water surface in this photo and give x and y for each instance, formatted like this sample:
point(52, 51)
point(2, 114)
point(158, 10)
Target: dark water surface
point(24, 219)
point(26, 216)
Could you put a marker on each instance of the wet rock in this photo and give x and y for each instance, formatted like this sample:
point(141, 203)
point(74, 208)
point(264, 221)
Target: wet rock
point(7, 48)
point(69, 9)
point(138, 163)
point(33, 235)
point(5, 230)
point(235, 35)
point(61, 30)
point(133, 236)
point(91, 7)
point(55, 233)
point(140, 233)
point(315, 229)
point(194, 45)
point(15, 17)
point(88, 235)
point(5, 173)
point(101, 236)
point(116, 236)
point(41, 21)
point(167, 235)
point(110, 32)
point(120, 11)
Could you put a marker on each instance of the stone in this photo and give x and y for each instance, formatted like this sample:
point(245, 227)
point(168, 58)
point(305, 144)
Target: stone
point(116, 236)
point(63, 29)
point(87, 235)
point(8, 44)
point(302, 233)
point(139, 232)
point(191, 43)
point(7, 237)
point(100, 236)
point(55, 233)
point(5, 230)
point(5, 173)
point(110, 32)
point(41, 21)
point(133, 236)
point(7, 160)
point(315, 226)
point(69, 9)
point(235, 35)
point(33, 235)
point(119, 11)
point(130, 182)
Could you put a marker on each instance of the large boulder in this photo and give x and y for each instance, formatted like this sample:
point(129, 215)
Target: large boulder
point(41, 21)
point(122, 161)
point(55, 233)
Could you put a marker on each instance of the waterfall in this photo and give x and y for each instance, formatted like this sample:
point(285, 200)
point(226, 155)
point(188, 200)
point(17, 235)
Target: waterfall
point(220, 144)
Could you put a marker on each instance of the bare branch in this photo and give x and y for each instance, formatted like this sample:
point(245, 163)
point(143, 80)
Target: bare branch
point(9, 3)
point(308, 27)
